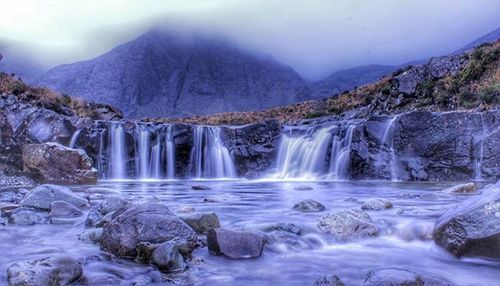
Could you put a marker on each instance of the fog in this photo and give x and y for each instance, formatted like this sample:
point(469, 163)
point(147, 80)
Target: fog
point(315, 37)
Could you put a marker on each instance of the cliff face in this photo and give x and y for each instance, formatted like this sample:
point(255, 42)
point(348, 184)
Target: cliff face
point(166, 75)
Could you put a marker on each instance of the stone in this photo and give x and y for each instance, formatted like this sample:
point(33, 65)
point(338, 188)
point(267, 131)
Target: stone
point(235, 244)
point(283, 242)
point(376, 204)
point(111, 204)
point(200, 188)
point(145, 251)
point(329, 280)
point(54, 163)
point(147, 222)
point(62, 209)
point(288, 227)
point(25, 217)
point(168, 256)
point(93, 217)
point(309, 206)
point(202, 222)
point(50, 271)
point(401, 277)
point(461, 189)
point(93, 235)
point(347, 224)
point(43, 196)
point(472, 228)
point(4, 206)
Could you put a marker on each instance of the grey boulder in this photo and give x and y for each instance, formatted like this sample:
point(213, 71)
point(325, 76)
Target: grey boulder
point(51, 271)
point(309, 206)
point(43, 196)
point(61, 209)
point(401, 277)
point(376, 204)
point(329, 280)
point(235, 244)
point(202, 222)
point(347, 224)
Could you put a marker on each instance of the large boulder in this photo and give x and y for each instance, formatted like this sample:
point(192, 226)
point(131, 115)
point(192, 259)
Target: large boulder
point(61, 209)
point(43, 196)
point(51, 271)
point(202, 222)
point(376, 204)
point(401, 277)
point(235, 244)
point(147, 222)
point(348, 224)
point(473, 227)
point(308, 206)
point(466, 188)
point(54, 163)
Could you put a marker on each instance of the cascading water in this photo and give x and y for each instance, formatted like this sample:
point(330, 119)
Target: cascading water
point(170, 152)
point(388, 140)
point(479, 161)
point(314, 153)
point(209, 157)
point(117, 151)
point(142, 151)
point(74, 138)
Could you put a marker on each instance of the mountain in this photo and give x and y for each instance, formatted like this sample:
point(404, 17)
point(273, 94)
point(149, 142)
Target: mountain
point(19, 63)
point(488, 38)
point(165, 74)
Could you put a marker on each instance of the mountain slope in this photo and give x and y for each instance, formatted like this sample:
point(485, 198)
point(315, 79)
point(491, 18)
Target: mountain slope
point(167, 75)
point(488, 38)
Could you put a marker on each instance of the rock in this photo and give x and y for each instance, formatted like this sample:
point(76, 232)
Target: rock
point(93, 235)
point(145, 251)
point(93, 217)
point(25, 217)
point(401, 277)
point(168, 256)
point(288, 227)
point(202, 222)
point(409, 79)
point(200, 188)
point(42, 196)
point(4, 206)
point(348, 224)
point(329, 280)
point(461, 189)
point(304, 188)
point(283, 241)
point(235, 244)
point(148, 222)
point(376, 204)
point(473, 227)
point(61, 209)
point(309, 206)
point(111, 204)
point(54, 163)
point(51, 271)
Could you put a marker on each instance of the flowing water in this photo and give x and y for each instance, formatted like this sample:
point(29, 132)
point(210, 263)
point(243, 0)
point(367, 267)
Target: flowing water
point(255, 205)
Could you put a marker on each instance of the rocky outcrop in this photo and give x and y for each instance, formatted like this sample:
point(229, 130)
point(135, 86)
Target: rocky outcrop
point(51, 271)
point(53, 163)
point(472, 228)
point(149, 222)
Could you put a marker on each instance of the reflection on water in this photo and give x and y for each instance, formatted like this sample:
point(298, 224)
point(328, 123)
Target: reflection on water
point(256, 205)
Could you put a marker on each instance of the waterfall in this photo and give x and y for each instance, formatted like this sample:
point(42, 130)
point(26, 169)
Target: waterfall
point(479, 161)
point(117, 152)
point(209, 157)
point(170, 153)
point(155, 160)
point(74, 138)
point(142, 152)
point(314, 153)
point(388, 139)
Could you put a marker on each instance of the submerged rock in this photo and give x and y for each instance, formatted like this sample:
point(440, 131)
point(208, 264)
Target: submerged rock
point(473, 227)
point(43, 196)
point(51, 271)
point(376, 204)
point(348, 224)
point(25, 217)
point(329, 280)
point(148, 222)
point(200, 188)
point(461, 189)
point(309, 206)
point(235, 244)
point(303, 188)
point(401, 277)
point(202, 222)
point(54, 163)
point(288, 227)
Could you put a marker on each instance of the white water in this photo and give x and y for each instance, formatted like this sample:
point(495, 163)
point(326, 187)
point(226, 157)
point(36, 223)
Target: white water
point(388, 140)
point(142, 152)
point(74, 138)
point(117, 152)
point(170, 153)
point(315, 153)
point(209, 157)
point(479, 160)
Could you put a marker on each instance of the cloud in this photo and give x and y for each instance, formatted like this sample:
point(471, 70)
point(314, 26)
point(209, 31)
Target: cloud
point(313, 36)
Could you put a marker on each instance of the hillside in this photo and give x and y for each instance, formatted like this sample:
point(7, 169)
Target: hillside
point(466, 81)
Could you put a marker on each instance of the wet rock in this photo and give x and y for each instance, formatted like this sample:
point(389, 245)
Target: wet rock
point(329, 280)
point(473, 227)
point(282, 241)
point(93, 217)
point(111, 204)
point(169, 256)
point(348, 224)
point(102, 280)
point(25, 217)
point(93, 235)
point(51, 271)
point(461, 189)
point(148, 222)
point(304, 188)
point(145, 251)
point(54, 163)
point(202, 222)
point(235, 244)
point(376, 204)
point(412, 231)
point(288, 227)
point(42, 196)
point(7, 206)
point(401, 277)
point(102, 213)
point(200, 188)
point(309, 206)
point(61, 209)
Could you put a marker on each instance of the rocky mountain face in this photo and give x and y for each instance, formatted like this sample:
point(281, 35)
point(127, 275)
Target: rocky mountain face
point(162, 74)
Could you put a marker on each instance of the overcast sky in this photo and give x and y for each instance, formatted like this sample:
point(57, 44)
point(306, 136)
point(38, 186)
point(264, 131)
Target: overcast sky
point(315, 37)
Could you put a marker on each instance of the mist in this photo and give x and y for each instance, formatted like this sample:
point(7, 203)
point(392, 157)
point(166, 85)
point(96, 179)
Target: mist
point(313, 37)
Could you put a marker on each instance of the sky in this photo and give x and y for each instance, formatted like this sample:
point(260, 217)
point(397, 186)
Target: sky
point(315, 37)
